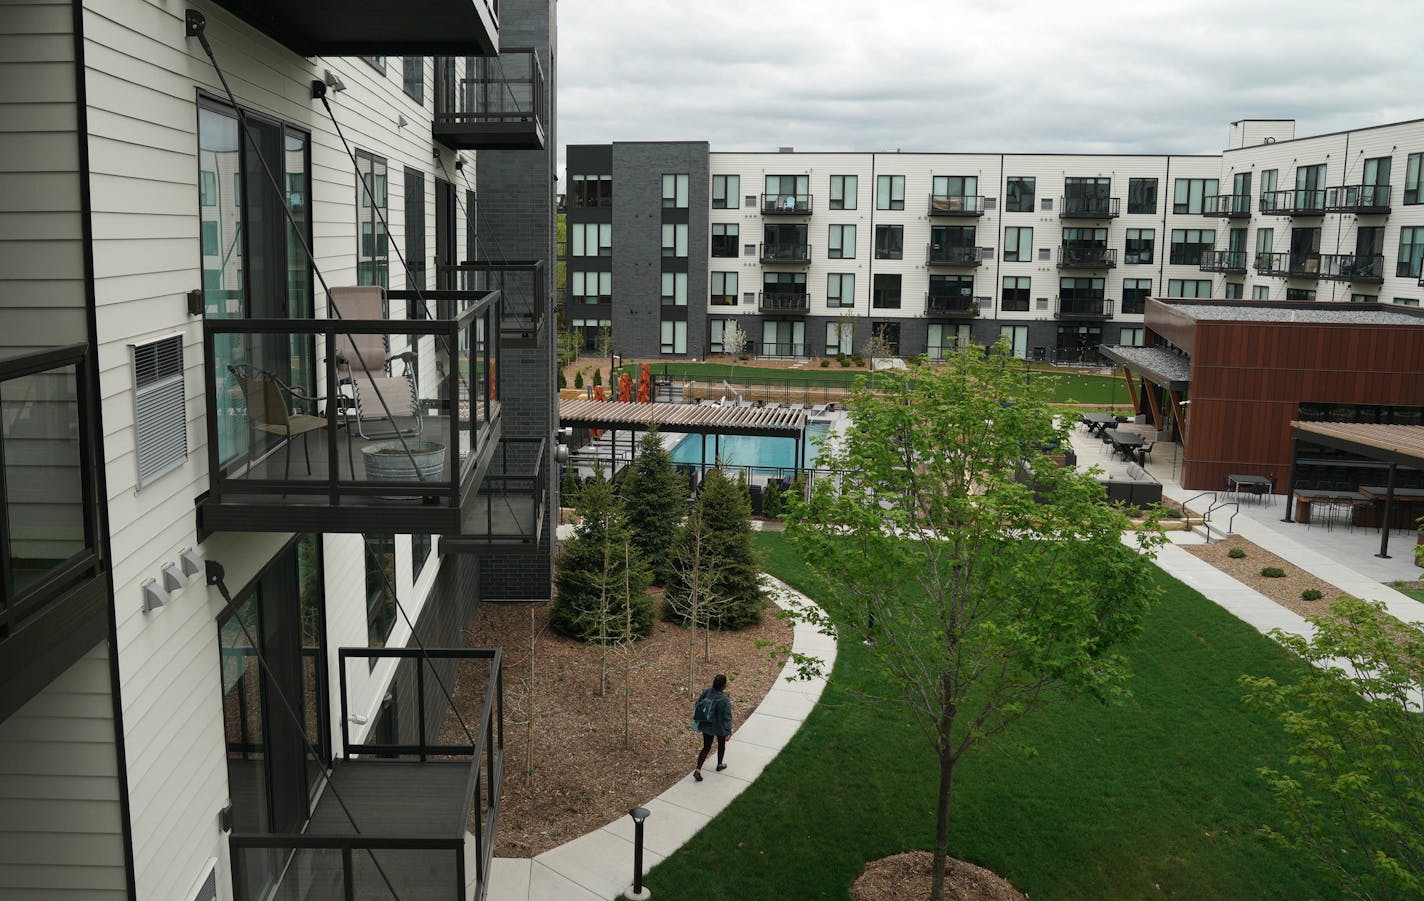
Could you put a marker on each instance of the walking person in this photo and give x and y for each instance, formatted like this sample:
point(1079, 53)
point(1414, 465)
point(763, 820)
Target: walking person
point(713, 718)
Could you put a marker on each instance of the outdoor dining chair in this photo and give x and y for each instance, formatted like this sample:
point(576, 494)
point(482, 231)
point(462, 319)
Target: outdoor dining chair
point(273, 409)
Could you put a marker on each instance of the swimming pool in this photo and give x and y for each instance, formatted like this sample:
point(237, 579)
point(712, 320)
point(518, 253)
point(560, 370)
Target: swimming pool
point(764, 455)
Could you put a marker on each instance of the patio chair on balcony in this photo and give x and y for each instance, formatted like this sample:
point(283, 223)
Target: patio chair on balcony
point(272, 408)
point(376, 384)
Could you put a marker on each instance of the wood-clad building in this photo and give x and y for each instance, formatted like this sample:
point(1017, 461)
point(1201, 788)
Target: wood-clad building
point(1229, 377)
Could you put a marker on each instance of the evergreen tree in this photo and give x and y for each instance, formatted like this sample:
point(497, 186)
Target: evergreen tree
point(733, 589)
point(654, 501)
point(597, 377)
point(578, 379)
point(590, 579)
point(771, 501)
point(568, 491)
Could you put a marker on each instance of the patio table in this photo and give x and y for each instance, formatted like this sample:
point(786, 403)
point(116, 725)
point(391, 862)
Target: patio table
point(1252, 485)
point(1096, 421)
point(1304, 497)
point(1125, 442)
point(1406, 501)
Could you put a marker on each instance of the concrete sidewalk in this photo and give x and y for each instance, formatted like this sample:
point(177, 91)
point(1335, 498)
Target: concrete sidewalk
point(599, 865)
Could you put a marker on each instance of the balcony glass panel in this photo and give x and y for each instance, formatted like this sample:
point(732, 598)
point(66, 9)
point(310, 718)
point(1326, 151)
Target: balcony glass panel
point(499, 101)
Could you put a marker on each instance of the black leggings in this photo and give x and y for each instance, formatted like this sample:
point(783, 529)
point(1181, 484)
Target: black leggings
point(707, 748)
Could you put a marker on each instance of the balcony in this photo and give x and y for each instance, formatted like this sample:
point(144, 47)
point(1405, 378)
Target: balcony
point(412, 819)
point(1224, 261)
point(1362, 200)
point(1082, 308)
point(498, 105)
point(507, 514)
point(1227, 206)
point(785, 253)
point(1089, 207)
point(786, 204)
point(363, 423)
point(961, 205)
point(1366, 269)
point(1289, 265)
point(953, 255)
point(53, 594)
point(1089, 256)
point(783, 302)
point(957, 306)
point(520, 285)
point(1294, 202)
point(405, 28)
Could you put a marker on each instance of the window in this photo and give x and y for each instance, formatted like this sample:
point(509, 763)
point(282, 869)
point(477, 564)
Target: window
point(1020, 195)
point(784, 285)
point(789, 192)
point(1131, 337)
point(1188, 287)
point(376, 62)
point(674, 289)
point(592, 190)
point(1411, 251)
point(1265, 243)
point(889, 242)
point(1411, 178)
point(592, 239)
point(1015, 294)
point(951, 188)
point(1235, 290)
point(1088, 196)
point(207, 188)
point(951, 293)
point(674, 239)
point(725, 191)
point(1018, 244)
point(1187, 194)
point(785, 243)
point(946, 339)
point(889, 332)
point(1299, 294)
point(840, 289)
point(725, 236)
point(1310, 187)
point(674, 337)
point(780, 338)
point(1407, 301)
point(886, 291)
point(210, 239)
point(717, 331)
point(889, 192)
point(1140, 243)
point(841, 245)
point(1141, 196)
point(1135, 292)
point(1077, 291)
point(413, 77)
point(1016, 336)
point(380, 589)
point(373, 246)
point(415, 228)
point(1363, 298)
point(1260, 292)
point(1188, 245)
point(675, 192)
point(1268, 189)
point(591, 287)
point(421, 547)
point(844, 190)
point(839, 336)
point(724, 288)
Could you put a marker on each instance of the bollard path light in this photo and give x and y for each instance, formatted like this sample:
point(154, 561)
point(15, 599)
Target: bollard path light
point(637, 892)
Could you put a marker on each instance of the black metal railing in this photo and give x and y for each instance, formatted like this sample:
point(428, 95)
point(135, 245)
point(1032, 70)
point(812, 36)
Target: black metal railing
point(392, 787)
point(1090, 256)
point(785, 253)
point(1082, 308)
point(1353, 267)
point(1089, 207)
point(1223, 261)
point(786, 204)
point(953, 255)
point(951, 304)
point(360, 422)
point(1188, 254)
point(783, 302)
point(956, 205)
point(1295, 265)
point(498, 103)
point(1294, 202)
point(521, 286)
point(1368, 200)
point(1228, 206)
point(509, 511)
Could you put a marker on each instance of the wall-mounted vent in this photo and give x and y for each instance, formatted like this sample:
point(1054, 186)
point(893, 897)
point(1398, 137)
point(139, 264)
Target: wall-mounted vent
point(988, 253)
point(991, 203)
point(1040, 303)
point(160, 408)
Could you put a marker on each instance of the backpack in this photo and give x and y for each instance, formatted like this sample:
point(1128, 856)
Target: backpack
point(705, 711)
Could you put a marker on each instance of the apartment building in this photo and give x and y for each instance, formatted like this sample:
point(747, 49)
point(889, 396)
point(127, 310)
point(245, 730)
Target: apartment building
point(276, 412)
point(810, 254)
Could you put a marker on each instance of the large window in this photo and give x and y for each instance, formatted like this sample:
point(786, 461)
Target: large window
point(592, 190)
point(889, 242)
point(674, 337)
point(1135, 292)
point(674, 289)
point(380, 589)
point(1142, 195)
point(1411, 251)
point(843, 192)
point(956, 187)
point(1412, 177)
point(889, 192)
point(839, 336)
point(1265, 245)
point(1188, 245)
point(591, 239)
point(674, 239)
point(945, 339)
point(840, 244)
point(1018, 244)
point(1015, 294)
point(1260, 292)
point(1188, 287)
point(725, 236)
point(1188, 194)
point(413, 77)
point(1139, 246)
point(373, 245)
point(1020, 195)
point(840, 289)
point(675, 192)
point(726, 192)
point(724, 289)
point(415, 228)
point(885, 291)
point(1269, 181)
point(591, 287)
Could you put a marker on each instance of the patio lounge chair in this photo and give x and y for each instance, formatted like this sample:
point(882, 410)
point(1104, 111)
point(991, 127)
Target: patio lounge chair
point(379, 384)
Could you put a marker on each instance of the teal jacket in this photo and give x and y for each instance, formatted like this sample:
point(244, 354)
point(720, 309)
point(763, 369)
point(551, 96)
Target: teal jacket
point(721, 713)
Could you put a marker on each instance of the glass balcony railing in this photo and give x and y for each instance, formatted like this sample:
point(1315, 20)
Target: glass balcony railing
point(1223, 261)
point(1086, 256)
point(783, 302)
point(785, 253)
point(786, 204)
point(956, 205)
point(951, 304)
point(490, 102)
point(1083, 308)
point(1294, 202)
point(953, 255)
point(1089, 207)
point(373, 421)
point(1364, 200)
point(1288, 264)
point(1353, 267)
point(1228, 206)
point(521, 286)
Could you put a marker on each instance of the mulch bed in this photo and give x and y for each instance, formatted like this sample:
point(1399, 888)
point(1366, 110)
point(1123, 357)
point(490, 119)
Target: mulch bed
point(901, 877)
point(580, 774)
point(1285, 591)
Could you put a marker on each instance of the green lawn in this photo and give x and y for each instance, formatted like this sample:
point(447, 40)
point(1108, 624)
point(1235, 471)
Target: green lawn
point(1153, 798)
point(1416, 593)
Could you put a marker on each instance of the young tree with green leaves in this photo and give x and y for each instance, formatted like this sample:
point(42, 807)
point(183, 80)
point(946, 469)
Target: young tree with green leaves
point(1357, 755)
point(589, 578)
point(654, 499)
point(987, 579)
point(734, 588)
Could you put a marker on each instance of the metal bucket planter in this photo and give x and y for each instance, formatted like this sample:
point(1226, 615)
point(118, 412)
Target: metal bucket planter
point(413, 461)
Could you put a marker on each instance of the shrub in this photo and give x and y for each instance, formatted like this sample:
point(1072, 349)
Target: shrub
point(771, 501)
point(825, 363)
point(857, 359)
point(590, 577)
point(578, 379)
point(744, 357)
point(563, 383)
point(1171, 513)
point(597, 377)
point(1311, 594)
point(1236, 553)
point(844, 362)
point(1273, 572)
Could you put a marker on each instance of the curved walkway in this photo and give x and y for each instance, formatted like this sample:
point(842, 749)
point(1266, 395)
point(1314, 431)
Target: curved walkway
point(599, 865)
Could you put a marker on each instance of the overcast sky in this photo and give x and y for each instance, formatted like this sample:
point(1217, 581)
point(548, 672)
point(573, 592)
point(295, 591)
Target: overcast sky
point(1159, 76)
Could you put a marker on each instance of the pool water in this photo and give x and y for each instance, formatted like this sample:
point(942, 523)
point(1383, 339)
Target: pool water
point(764, 455)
